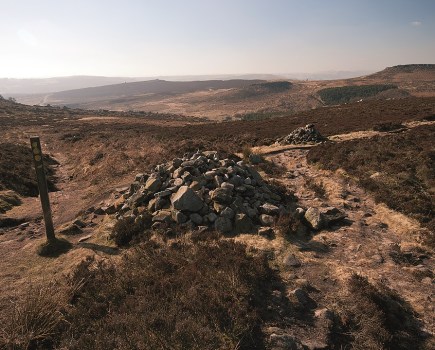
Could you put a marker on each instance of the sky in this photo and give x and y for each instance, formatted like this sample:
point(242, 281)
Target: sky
point(134, 38)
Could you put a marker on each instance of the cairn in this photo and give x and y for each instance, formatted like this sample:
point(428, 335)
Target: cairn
point(303, 135)
point(204, 190)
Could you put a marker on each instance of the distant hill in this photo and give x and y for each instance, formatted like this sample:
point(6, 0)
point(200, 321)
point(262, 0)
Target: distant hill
point(9, 86)
point(418, 71)
point(15, 87)
point(144, 88)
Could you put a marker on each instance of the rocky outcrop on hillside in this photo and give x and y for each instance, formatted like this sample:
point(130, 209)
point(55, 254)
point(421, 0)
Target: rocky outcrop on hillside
point(302, 135)
point(203, 190)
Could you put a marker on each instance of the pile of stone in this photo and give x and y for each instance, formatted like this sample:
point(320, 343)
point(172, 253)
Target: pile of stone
point(306, 134)
point(203, 190)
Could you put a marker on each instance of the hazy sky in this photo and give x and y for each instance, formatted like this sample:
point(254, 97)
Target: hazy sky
point(43, 38)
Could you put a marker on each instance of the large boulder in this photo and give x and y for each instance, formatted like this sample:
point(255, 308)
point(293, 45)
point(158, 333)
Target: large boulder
point(186, 199)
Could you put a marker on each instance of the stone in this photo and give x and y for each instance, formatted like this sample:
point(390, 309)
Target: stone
point(195, 185)
point(255, 158)
point(153, 184)
point(266, 231)
point(76, 222)
point(270, 209)
point(303, 298)
point(227, 186)
point(186, 199)
point(196, 218)
point(177, 173)
point(221, 196)
point(227, 213)
point(290, 260)
point(243, 224)
point(71, 229)
point(161, 203)
point(162, 216)
point(314, 218)
point(161, 194)
point(178, 217)
point(99, 211)
point(212, 217)
point(152, 205)
point(138, 198)
point(223, 225)
point(218, 207)
point(85, 238)
point(331, 215)
point(267, 220)
point(236, 180)
point(299, 213)
point(178, 182)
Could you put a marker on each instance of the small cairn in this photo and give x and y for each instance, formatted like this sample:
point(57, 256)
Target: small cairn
point(303, 135)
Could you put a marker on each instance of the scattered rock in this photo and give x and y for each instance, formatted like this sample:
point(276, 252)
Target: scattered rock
point(314, 218)
point(303, 298)
point(79, 223)
point(85, 238)
point(290, 260)
point(71, 229)
point(318, 218)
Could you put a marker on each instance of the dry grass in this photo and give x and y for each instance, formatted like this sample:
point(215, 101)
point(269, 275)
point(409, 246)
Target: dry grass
point(17, 172)
point(375, 317)
point(208, 295)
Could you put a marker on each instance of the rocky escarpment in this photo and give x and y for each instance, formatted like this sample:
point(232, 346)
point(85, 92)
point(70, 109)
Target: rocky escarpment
point(203, 190)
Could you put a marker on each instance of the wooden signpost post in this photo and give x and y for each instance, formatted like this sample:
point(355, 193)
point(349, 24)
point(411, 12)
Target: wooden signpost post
point(43, 190)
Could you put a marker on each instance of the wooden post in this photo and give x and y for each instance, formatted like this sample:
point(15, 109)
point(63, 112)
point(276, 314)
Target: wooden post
point(42, 185)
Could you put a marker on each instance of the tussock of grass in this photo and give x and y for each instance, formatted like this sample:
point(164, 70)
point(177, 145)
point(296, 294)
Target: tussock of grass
point(54, 248)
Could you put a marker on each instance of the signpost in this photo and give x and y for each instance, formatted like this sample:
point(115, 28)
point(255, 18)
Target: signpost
point(42, 185)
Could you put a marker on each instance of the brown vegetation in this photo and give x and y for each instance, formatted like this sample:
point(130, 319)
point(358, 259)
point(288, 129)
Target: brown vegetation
point(209, 295)
point(380, 319)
